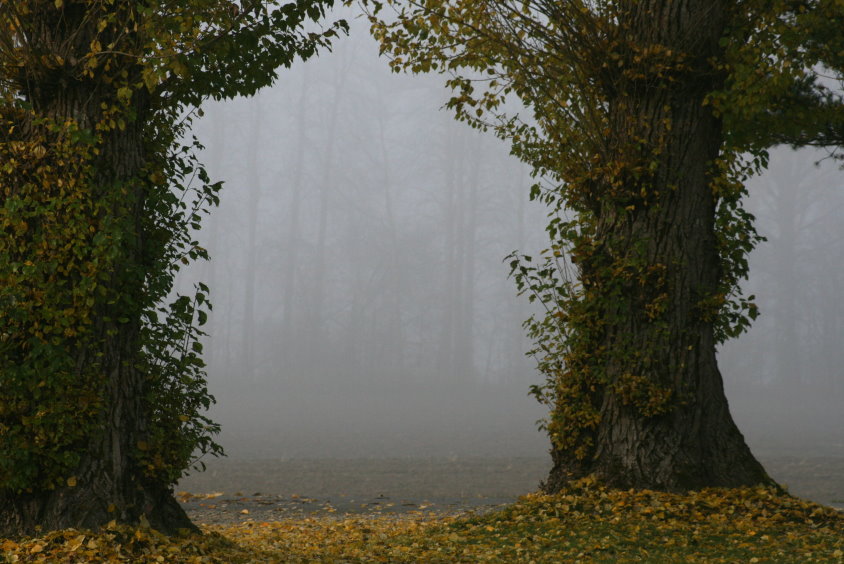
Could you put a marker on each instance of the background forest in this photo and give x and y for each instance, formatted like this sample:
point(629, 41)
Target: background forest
point(361, 302)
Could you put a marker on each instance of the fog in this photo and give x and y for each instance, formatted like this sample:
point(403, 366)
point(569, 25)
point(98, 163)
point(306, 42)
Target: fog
point(785, 377)
point(361, 302)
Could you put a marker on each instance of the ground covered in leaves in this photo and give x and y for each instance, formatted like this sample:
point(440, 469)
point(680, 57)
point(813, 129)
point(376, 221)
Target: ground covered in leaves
point(586, 523)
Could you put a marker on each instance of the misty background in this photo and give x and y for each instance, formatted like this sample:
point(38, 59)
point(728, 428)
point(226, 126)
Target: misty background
point(361, 302)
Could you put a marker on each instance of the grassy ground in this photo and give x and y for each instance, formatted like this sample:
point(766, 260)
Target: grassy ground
point(586, 523)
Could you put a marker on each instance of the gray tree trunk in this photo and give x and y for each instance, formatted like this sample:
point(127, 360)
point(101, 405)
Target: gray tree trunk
point(696, 443)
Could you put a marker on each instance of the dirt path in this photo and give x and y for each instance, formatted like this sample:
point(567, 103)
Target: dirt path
point(236, 490)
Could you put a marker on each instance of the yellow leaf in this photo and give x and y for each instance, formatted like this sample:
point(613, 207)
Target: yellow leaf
point(71, 482)
point(76, 543)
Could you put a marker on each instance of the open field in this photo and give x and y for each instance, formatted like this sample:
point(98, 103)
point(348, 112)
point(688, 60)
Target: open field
point(277, 489)
point(465, 511)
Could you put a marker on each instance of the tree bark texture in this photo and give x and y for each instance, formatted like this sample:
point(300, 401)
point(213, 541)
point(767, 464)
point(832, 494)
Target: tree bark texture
point(110, 482)
point(656, 334)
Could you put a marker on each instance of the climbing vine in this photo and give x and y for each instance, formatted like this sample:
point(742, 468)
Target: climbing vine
point(101, 198)
point(53, 252)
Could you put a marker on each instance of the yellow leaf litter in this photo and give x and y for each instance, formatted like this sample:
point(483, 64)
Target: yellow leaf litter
point(585, 523)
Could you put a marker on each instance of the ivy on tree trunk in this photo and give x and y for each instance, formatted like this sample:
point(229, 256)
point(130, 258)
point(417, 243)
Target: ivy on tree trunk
point(102, 387)
point(649, 270)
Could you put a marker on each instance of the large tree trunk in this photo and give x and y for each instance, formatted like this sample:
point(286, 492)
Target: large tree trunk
point(109, 483)
point(656, 334)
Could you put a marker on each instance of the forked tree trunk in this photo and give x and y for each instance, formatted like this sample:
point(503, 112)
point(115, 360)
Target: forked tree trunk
point(109, 483)
point(671, 232)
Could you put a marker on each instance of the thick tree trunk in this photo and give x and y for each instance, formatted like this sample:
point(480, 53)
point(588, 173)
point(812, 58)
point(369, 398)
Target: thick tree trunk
point(656, 333)
point(109, 483)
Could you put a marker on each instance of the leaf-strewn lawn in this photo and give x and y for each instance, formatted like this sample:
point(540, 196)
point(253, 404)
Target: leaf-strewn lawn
point(586, 523)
